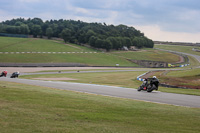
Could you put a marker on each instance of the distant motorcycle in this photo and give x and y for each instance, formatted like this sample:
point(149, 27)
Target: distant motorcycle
point(15, 75)
point(3, 74)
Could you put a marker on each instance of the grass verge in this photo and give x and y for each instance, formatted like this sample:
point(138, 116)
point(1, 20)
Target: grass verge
point(153, 55)
point(188, 78)
point(95, 59)
point(26, 108)
point(11, 44)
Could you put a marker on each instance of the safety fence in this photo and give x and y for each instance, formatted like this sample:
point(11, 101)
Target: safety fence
point(184, 65)
point(139, 77)
point(14, 35)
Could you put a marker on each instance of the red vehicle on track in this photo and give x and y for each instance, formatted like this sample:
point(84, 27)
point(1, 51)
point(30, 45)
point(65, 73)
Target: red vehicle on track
point(4, 74)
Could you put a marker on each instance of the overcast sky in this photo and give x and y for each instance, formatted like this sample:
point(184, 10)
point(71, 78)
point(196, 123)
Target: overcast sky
point(162, 20)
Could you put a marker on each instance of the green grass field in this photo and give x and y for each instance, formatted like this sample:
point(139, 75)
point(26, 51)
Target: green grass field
point(91, 59)
point(185, 73)
point(153, 55)
point(193, 62)
point(26, 108)
point(185, 49)
point(8, 44)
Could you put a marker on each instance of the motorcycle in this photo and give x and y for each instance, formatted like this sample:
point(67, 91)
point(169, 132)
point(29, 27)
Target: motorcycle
point(148, 88)
point(3, 74)
point(14, 75)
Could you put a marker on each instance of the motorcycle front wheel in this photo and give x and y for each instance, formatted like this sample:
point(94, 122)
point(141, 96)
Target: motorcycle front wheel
point(139, 88)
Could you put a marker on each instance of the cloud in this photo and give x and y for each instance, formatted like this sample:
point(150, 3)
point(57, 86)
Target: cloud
point(169, 15)
point(157, 34)
point(29, 1)
point(166, 16)
point(4, 15)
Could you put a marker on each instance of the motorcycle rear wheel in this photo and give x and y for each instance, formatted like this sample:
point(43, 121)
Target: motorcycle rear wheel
point(149, 88)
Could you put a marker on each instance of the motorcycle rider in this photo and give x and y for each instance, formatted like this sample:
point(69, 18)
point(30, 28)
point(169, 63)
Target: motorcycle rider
point(144, 84)
point(154, 81)
point(5, 73)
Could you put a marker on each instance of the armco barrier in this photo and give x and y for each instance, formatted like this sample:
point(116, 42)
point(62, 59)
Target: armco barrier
point(184, 65)
point(14, 35)
point(140, 79)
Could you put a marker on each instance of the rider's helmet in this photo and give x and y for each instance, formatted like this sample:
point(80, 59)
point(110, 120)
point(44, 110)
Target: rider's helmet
point(154, 77)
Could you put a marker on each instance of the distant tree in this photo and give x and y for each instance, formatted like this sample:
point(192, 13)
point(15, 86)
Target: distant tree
point(37, 21)
point(99, 43)
point(139, 42)
point(24, 29)
point(128, 42)
point(17, 30)
point(10, 29)
point(44, 28)
point(66, 35)
point(1, 28)
point(30, 25)
point(49, 32)
point(98, 35)
point(81, 37)
point(150, 43)
point(92, 41)
point(89, 34)
point(55, 29)
point(113, 41)
point(108, 44)
point(134, 41)
point(118, 44)
point(37, 30)
point(18, 23)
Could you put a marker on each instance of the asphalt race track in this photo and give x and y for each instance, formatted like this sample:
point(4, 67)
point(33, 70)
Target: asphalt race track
point(155, 96)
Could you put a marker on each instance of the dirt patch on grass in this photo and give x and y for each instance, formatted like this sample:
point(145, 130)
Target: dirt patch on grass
point(181, 82)
point(55, 79)
point(149, 75)
point(181, 59)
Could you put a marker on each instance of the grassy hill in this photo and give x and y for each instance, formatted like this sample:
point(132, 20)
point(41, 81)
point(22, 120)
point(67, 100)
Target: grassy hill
point(179, 48)
point(8, 44)
point(150, 54)
point(78, 54)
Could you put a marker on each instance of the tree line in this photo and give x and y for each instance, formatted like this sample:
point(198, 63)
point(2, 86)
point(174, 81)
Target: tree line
point(98, 35)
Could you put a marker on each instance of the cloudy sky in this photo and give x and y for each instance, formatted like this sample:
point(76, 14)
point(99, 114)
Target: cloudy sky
point(162, 20)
